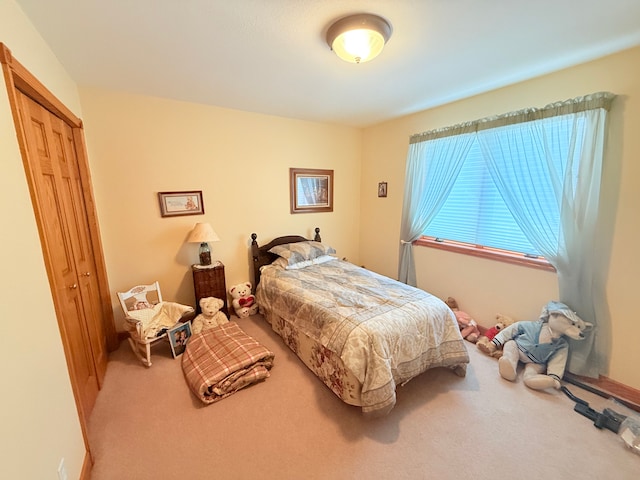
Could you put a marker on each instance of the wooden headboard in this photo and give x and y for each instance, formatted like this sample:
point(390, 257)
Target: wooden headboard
point(262, 257)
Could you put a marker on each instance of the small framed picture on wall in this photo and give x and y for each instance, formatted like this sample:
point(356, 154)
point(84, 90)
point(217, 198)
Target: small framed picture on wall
point(181, 203)
point(382, 189)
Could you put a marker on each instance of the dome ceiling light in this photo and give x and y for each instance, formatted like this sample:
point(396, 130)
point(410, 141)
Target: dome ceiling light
point(358, 38)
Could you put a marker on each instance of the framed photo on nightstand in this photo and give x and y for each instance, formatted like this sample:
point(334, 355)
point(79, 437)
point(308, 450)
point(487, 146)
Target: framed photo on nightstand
point(178, 338)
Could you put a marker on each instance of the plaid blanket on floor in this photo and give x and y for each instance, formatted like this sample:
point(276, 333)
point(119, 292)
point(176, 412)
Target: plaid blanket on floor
point(222, 360)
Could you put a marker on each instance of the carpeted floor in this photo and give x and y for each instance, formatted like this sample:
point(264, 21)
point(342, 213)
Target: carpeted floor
point(147, 425)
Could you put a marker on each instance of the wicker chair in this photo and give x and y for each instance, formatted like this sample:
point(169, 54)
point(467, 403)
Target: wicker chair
point(148, 317)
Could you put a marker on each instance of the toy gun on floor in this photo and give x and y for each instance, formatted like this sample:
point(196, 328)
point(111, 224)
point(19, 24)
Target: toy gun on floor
point(608, 419)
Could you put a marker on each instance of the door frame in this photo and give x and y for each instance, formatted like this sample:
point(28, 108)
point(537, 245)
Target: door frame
point(18, 78)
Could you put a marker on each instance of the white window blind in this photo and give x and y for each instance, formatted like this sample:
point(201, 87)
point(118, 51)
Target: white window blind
point(475, 212)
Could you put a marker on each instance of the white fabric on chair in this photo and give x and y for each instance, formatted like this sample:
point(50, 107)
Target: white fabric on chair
point(150, 321)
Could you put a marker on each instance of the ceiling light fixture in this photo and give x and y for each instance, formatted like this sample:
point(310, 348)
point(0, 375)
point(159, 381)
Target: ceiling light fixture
point(358, 38)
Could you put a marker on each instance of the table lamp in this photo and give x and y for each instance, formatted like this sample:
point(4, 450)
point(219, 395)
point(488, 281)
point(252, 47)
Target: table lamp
point(203, 233)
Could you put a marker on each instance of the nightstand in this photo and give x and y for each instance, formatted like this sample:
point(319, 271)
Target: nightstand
point(208, 281)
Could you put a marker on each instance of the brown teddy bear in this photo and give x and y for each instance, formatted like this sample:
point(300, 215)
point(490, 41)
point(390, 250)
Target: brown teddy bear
point(211, 315)
point(468, 326)
point(502, 321)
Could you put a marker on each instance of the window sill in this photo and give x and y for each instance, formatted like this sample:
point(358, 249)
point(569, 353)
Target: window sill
point(486, 252)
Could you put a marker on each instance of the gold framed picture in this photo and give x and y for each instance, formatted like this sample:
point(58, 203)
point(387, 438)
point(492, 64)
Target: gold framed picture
point(311, 190)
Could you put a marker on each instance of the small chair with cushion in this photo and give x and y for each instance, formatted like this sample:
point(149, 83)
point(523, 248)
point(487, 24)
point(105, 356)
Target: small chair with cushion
point(148, 317)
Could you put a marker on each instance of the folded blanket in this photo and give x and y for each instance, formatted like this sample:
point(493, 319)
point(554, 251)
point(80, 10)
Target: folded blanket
point(220, 361)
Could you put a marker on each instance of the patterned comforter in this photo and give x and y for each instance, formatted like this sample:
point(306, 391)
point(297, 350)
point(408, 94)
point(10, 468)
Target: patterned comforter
point(222, 360)
point(385, 332)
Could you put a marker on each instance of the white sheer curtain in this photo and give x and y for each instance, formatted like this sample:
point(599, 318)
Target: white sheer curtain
point(568, 180)
point(571, 178)
point(532, 186)
point(432, 168)
point(580, 280)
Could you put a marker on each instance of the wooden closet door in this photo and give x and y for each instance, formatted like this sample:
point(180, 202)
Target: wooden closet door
point(52, 161)
point(81, 243)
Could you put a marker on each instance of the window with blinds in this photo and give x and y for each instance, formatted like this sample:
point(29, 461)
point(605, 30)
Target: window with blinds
point(475, 213)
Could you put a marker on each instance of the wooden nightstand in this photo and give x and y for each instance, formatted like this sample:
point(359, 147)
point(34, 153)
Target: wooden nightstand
point(208, 281)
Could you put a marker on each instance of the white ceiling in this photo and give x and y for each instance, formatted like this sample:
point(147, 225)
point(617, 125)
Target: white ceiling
point(270, 56)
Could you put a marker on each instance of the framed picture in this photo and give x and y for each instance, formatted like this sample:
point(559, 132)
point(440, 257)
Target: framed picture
point(181, 203)
point(178, 337)
point(382, 189)
point(311, 190)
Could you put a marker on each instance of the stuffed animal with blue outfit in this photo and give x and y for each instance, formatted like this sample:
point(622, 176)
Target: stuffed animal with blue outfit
point(541, 345)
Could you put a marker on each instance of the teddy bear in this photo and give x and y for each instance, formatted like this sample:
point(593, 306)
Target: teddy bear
point(211, 315)
point(502, 321)
point(467, 325)
point(541, 345)
point(244, 303)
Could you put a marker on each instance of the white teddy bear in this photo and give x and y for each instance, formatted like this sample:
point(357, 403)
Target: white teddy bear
point(244, 303)
point(211, 315)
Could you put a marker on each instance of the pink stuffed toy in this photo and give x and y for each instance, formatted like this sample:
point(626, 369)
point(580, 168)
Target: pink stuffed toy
point(468, 326)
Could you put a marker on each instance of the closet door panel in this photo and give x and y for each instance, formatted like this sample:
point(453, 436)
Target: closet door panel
point(82, 250)
point(58, 232)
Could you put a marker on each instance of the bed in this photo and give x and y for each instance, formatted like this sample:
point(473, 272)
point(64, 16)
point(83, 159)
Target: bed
point(359, 332)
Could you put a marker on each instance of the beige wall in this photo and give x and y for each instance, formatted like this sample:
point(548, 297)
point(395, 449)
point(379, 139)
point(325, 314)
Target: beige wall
point(483, 287)
point(39, 419)
point(139, 146)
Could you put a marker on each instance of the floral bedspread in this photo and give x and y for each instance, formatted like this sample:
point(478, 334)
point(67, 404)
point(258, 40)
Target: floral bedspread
point(385, 332)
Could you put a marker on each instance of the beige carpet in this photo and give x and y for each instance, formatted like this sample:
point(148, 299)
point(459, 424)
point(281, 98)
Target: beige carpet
point(147, 425)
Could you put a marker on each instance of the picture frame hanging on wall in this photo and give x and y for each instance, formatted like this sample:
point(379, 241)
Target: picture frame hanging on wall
point(311, 190)
point(181, 203)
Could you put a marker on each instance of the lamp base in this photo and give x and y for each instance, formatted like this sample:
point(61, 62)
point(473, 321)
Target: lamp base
point(205, 254)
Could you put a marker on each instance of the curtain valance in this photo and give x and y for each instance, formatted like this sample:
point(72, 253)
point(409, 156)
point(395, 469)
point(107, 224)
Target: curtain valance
point(574, 105)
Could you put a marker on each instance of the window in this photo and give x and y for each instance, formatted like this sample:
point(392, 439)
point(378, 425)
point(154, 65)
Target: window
point(546, 164)
point(475, 214)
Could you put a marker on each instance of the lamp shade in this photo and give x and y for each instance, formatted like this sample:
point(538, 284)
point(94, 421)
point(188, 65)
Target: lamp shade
point(203, 233)
point(359, 38)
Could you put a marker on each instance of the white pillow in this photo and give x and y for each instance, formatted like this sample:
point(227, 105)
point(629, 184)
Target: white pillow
point(280, 263)
point(306, 263)
point(301, 251)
